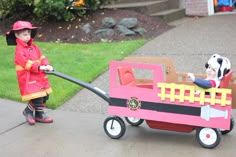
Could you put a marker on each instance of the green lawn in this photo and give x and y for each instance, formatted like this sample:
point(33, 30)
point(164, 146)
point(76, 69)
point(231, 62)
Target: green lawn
point(82, 61)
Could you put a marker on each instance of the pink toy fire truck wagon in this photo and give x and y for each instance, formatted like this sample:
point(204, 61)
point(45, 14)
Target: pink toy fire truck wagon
point(166, 106)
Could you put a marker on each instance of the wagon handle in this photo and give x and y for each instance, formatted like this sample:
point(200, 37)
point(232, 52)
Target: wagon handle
point(86, 85)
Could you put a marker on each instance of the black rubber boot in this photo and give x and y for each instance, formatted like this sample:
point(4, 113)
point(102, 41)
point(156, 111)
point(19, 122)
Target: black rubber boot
point(29, 114)
point(40, 116)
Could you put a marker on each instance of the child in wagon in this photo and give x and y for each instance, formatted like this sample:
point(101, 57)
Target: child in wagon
point(216, 67)
point(30, 64)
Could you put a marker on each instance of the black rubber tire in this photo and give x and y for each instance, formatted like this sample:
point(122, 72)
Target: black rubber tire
point(231, 127)
point(137, 123)
point(114, 127)
point(208, 137)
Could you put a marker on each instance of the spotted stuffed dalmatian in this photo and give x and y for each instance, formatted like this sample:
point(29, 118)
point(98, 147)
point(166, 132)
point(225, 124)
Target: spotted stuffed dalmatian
point(221, 64)
point(216, 67)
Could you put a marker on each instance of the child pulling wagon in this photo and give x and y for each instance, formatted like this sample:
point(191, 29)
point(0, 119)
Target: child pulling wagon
point(30, 64)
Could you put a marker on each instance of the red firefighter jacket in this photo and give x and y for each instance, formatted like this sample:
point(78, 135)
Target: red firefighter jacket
point(33, 83)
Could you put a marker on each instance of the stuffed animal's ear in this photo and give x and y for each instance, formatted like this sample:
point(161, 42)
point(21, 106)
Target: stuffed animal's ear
point(226, 71)
point(219, 60)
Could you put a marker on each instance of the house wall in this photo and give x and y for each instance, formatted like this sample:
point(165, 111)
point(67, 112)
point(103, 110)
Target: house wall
point(199, 7)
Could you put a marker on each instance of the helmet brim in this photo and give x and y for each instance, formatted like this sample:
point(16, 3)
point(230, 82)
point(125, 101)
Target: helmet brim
point(11, 38)
point(32, 28)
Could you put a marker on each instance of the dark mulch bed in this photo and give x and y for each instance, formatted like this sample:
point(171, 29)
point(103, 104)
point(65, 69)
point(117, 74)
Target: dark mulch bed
point(70, 32)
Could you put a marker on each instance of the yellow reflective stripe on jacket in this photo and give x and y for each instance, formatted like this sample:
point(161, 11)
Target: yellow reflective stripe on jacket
point(28, 65)
point(36, 94)
point(19, 68)
point(42, 57)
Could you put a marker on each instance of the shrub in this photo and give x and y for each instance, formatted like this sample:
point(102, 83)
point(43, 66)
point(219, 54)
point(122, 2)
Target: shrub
point(53, 9)
point(66, 9)
point(16, 9)
point(48, 9)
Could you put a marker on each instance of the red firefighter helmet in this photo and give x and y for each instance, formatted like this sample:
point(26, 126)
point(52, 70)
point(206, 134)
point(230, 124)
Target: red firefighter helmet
point(19, 25)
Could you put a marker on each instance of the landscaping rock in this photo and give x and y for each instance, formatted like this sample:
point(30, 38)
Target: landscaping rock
point(106, 32)
point(141, 31)
point(86, 28)
point(129, 22)
point(125, 31)
point(108, 22)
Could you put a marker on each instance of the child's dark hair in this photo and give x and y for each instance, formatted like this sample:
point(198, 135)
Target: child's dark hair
point(22, 30)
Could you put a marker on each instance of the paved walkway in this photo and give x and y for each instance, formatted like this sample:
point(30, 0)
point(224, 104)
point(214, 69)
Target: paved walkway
point(78, 127)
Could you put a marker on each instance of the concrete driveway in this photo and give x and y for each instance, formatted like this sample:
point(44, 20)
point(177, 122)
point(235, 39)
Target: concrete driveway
point(78, 127)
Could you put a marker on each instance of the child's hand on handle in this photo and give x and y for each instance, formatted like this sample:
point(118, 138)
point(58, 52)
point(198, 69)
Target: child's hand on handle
point(46, 67)
point(42, 67)
point(49, 68)
point(191, 76)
